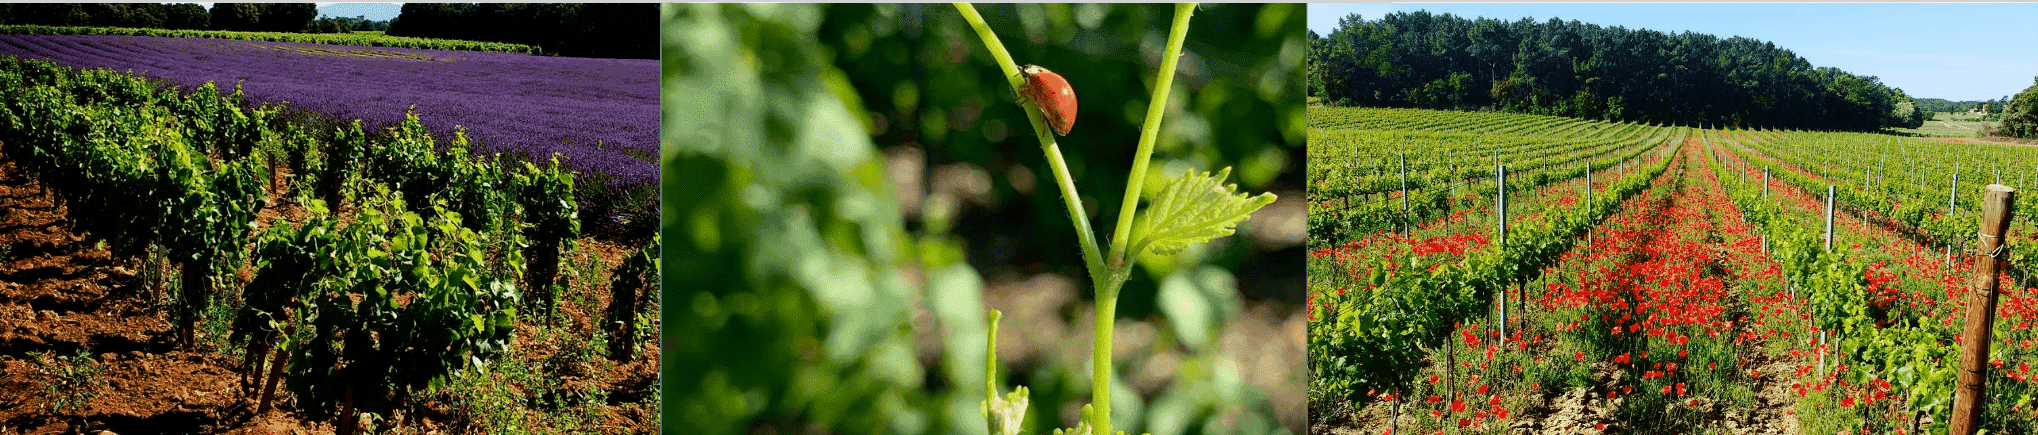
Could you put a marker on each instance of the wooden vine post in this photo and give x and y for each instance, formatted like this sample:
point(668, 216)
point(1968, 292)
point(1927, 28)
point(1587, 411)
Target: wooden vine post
point(1997, 202)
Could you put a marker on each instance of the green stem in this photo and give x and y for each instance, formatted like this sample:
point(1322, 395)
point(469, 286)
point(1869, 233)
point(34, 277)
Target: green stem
point(1107, 278)
point(1093, 256)
point(1100, 368)
point(991, 361)
point(1107, 290)
point(1150, 132)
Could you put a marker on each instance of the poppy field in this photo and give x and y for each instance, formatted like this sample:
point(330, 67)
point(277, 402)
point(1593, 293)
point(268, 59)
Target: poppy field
point(1686, 295)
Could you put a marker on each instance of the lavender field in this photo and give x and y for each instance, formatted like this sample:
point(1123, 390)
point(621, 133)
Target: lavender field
point(600, 114)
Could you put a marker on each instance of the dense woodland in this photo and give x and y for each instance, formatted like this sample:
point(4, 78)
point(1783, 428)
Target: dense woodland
point(1569, 68)
point(255, 17)
point(2020, 114)
point(626, 31)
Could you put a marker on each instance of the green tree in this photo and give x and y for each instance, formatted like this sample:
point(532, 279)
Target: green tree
point(2020, 114)
point(237, 16)
point(186, 16)
point(288, 17)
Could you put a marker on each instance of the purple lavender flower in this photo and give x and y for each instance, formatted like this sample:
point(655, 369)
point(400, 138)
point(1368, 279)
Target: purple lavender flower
point(601, 115)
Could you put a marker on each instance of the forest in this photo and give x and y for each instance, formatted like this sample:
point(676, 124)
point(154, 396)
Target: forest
point(1569, 68)
point(609, 30)
point(604, 30)
point(255, 17)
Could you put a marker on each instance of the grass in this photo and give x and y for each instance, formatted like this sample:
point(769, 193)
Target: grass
point(1948, 125)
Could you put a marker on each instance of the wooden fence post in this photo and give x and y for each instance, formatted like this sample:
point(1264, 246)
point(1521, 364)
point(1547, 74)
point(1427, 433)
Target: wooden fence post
point(1997, 203)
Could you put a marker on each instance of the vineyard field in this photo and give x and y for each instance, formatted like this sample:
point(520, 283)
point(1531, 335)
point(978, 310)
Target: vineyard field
point(599, 115)
point(1697, 289)
point(184, 260)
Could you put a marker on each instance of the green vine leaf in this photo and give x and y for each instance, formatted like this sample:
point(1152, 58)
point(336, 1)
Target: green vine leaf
point(1194, 208)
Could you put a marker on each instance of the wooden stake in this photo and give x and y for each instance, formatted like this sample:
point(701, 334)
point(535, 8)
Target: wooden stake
point(1997, 202)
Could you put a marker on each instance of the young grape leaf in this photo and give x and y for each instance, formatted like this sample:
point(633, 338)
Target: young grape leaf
point(1194, 208)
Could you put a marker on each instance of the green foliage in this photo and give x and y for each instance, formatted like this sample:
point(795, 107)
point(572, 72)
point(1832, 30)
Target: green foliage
point(2020, 115)
point(1568, 68)
point(785, 241)
point(1357, 157)
point(1906, 355)
point(637, 275)
point(1373, 339)
point(436, 291)
point(111, 141)
point(1194, 209)
point(1236, 100)
point(608, 30)
point(427, 307)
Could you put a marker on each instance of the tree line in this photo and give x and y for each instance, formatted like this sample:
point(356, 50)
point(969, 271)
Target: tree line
point(2020, 113)
point(253, 17)
point(628, 31)
point(1569, 68)
point(609, 30)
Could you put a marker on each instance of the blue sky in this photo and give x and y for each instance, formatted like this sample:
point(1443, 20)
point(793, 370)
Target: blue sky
point(1955, 51)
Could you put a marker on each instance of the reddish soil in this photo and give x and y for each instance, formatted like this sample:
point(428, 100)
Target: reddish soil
point(61, 292)
point(1991, 140)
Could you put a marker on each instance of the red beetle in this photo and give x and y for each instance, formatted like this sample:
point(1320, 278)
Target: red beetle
point(1052, 92)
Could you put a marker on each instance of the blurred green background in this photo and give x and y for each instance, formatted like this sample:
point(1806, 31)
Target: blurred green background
point(848, 187)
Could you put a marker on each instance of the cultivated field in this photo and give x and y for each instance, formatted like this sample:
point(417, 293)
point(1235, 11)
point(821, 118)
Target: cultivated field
point(190, 259)
point(600, 115)
point(1684, 296)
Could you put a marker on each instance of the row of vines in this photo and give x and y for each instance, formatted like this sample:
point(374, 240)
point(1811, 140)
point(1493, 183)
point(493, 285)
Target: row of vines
point(393, 261)
point(1888, 294)
point(1388, 300)
point(1374, 169)
point(1713, 287)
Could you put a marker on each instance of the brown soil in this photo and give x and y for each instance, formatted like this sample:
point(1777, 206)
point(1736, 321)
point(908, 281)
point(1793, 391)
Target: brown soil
point(61, 292)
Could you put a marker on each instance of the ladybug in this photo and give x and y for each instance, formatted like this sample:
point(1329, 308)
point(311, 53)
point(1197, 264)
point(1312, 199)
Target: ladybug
point(1052, 92)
